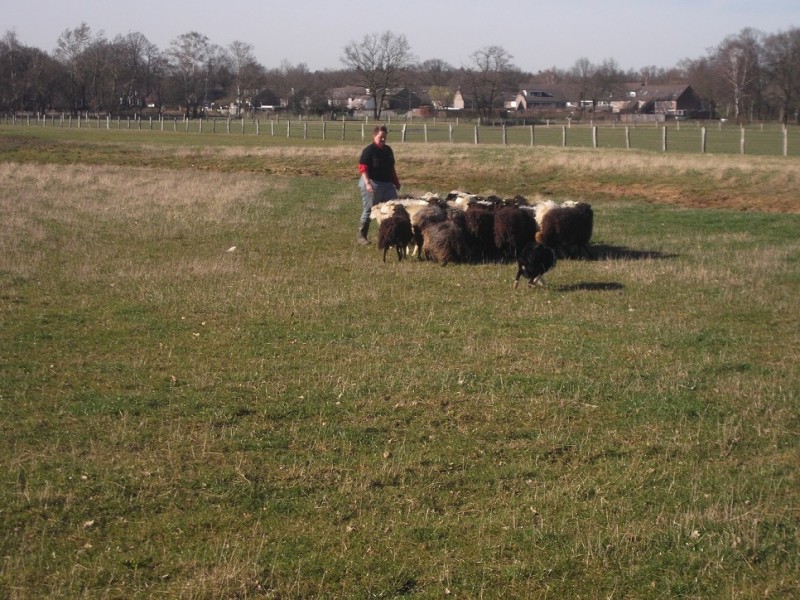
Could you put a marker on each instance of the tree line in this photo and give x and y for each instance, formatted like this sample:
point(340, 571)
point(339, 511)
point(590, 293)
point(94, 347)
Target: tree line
point(748, 76)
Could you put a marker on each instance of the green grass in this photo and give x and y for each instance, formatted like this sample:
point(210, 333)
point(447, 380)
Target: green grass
point(295, 418)
point(682, 137)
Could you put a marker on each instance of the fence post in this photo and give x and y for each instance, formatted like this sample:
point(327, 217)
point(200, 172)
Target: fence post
point(403, 133)
point(477, 137)
point(343, 128)
point(200, 126)
point(425, 129)
point(564, 136)
point(785, 140)
point(288, 128)
point(664, 138)
point(242, 125)
point(505, 135)
point(272, 128)
point(703, 139)
point(363, 128)
point(627, 137)
point(532, 138)
point(594, 136)
point(324, 124)
point(450, 131)
point(741, 141)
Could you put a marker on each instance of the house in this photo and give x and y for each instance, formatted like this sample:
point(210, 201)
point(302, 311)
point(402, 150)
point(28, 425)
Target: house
point(666, 101)
point(533, 96)
point(458, 101)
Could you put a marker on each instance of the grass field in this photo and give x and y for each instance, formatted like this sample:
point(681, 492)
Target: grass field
point(687, 137)
point(208, 390)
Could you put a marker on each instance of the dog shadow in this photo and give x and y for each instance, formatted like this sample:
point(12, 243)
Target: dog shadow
point(590, 286)
point(610, 252)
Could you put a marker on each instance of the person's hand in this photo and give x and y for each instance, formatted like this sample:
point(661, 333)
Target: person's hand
point(398, 187)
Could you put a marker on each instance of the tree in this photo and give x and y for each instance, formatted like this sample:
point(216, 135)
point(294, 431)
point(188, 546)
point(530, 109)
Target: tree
point(782, 67)
point(583, 72)
point(737, 64)
point(381, 62)
point(141, 66)
point(434, 72)
point(607, 81)
point(29, 78)
point(248, 75)
point(192, 60)
point(70, 48)
point(492, 75)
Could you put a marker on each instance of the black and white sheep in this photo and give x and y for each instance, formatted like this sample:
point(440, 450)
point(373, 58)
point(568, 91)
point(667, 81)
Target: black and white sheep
point(395, 231)
point(565, 227)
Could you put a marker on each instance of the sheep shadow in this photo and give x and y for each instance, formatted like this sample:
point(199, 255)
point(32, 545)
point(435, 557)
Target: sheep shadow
point(610, 252)
point(591, 286)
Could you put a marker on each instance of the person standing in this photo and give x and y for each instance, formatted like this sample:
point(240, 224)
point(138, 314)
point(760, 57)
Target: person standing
point(378, 181)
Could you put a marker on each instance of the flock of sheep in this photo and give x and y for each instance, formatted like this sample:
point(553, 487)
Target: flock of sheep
point(467, 228)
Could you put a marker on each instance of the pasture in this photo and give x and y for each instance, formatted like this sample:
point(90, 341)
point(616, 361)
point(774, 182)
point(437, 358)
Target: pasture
point(208, 390)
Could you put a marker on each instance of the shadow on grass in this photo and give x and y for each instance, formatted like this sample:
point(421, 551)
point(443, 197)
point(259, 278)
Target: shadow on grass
point(591, 286)
point(609, 252)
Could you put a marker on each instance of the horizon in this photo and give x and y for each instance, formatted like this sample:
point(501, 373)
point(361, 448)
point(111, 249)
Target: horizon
point(659, 38)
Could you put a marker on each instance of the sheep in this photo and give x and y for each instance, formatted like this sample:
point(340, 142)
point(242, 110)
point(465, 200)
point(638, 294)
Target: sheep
point(444, 242)
point(383, 210)
point(567, 226)
point(433, 212)
point(533, 262)
point(540, 209)
point(395, 231)
point(513, 228)
point(479, 225)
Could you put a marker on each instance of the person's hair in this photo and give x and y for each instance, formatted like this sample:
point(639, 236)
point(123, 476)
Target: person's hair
point(379, 128)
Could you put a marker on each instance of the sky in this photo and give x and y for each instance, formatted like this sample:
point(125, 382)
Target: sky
point(538, 34)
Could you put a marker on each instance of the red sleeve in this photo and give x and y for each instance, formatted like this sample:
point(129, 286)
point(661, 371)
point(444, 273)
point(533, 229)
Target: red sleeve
point(362, 168)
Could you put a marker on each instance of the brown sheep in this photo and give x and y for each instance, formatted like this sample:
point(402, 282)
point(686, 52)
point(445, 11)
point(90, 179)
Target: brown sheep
point(395, 231)
point(566, 227)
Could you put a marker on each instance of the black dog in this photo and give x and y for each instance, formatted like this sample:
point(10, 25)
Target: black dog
point(534, 261)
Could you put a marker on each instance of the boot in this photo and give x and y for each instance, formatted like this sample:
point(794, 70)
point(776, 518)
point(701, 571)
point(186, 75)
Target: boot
point(362, 234)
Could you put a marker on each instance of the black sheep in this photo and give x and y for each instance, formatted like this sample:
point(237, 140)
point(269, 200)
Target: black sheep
point(395, 231)
point(513, 229)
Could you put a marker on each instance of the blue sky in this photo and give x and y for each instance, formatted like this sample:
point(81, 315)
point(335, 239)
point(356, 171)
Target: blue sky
point(538, 34)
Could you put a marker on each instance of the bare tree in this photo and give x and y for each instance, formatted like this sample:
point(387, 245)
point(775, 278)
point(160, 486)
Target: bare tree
point(607, 81)
point(248, 75)
point(192, 60)
point(141, 64)
point(29, 78)
point(736, 60)
point(491, 76)
point(381, 61)
point(70, 47)
point(583, 72)
point(782, 65)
